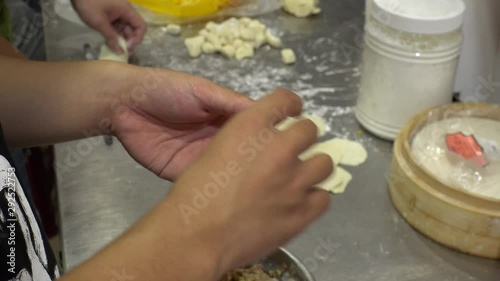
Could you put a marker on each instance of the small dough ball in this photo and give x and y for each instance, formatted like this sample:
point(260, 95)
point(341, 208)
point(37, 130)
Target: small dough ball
point(208, 48)
point(257, 26)
point(244, 51)
point(211, 26)
point(237, 43)
point(260, 39)
point(173, 29)
point(228, 51)
point(193, 45)
point(247, 34)
point(300, 8)
point(214, 40)
point(272, 40)
point(288, 56)
point(245, 21)
point(108, 54)
point(205, 33)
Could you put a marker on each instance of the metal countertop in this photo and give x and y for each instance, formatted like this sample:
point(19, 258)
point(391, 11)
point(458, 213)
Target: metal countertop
point(361, 237)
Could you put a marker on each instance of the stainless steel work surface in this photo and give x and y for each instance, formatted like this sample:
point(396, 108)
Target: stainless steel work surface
point(361, 237)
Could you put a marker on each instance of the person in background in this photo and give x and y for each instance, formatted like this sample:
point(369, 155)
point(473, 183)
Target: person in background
point(108, 17)
point(21, 22)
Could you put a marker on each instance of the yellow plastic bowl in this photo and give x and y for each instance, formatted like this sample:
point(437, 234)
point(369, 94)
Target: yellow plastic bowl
point(182, 8)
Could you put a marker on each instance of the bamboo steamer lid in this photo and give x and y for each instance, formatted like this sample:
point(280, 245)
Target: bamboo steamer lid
point(452, 216)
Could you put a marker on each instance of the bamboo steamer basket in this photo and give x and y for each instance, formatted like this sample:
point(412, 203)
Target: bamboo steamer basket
point(451, 216)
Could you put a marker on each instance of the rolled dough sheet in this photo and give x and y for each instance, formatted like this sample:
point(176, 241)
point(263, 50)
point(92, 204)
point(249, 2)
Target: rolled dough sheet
point(341, 152)
point(108, 54)
point(327, 147)
point(290, 121)
point(354, 153)
point(337, 182)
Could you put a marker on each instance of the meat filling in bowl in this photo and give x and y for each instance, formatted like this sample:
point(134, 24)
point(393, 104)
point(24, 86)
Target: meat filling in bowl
point(254, 273)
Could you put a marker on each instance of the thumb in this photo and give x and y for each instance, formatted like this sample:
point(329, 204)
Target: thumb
point(226, 101)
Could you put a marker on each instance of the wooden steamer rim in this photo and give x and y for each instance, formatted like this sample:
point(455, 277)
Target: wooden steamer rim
point(455, 217)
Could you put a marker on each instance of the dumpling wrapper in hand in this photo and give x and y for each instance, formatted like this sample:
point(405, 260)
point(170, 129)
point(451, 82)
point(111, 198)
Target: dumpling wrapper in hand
point(290, 121)
point(108, 54)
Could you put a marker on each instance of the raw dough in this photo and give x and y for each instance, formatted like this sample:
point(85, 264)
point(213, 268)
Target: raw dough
point(341, 152)
point(173, 29)
point(234, 38)
point(337, 182)
point(194, 44)
point(301, 8)
point(272, 40)
point(244, 51)
point(288, 56)
point(208, 48)
point(324, 147)
point(108, 54)
point(228, 51)
point(354, 153)
point(290, 121)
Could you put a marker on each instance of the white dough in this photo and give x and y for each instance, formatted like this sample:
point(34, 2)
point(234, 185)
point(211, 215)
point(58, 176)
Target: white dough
point(290, 121)
point(260, 39)
point(208, 48)
point(244, 51)
point(108, 54)
point(301, 8)
point(194, 44)
point(337, 182)
point(354, 153)
point(173, 29)
point(288, 56)
point(324, 147)
point(272, 40)
point(229, 36)
point(228, 51)
point(247, 34)
point(339, 150)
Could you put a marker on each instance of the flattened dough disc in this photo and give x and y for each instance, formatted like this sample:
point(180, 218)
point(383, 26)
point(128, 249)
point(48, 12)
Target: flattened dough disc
point(327, 147)
point(337, 182)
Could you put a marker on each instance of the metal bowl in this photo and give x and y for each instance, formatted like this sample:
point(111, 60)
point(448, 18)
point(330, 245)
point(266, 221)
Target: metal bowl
point(295, 269)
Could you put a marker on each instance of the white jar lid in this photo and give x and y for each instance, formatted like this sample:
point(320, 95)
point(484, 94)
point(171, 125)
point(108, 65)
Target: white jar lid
point(420, 16)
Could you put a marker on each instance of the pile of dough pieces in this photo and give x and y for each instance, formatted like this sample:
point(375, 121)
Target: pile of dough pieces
point(342, 152)
point(235, 38)
point(301, 8)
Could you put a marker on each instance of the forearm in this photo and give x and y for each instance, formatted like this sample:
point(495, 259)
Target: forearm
point(44, 103)
point(160, 247)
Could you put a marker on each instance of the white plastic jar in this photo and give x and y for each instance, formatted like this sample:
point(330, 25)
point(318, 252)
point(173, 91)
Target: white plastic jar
point(409, 61)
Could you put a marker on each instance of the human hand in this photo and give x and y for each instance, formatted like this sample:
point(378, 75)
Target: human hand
point(169, 126)
point(249, 193)
point(112, 18)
